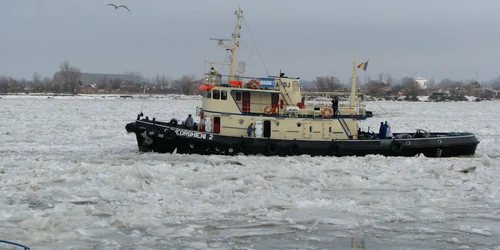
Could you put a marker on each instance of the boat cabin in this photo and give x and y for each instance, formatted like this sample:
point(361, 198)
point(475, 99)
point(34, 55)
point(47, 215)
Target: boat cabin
point(275, 107)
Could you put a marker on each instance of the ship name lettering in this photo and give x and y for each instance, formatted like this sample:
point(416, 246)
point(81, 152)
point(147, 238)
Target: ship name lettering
point(194, 134)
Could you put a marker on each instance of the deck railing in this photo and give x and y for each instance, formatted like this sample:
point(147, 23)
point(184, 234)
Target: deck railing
point(14, 244)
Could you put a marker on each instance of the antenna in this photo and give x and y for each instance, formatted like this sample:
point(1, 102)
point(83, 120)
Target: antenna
point(240, 69)
point(220, 40)
point(143, 97)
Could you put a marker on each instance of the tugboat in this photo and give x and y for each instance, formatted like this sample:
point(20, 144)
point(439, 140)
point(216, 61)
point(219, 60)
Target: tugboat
point(267, 116)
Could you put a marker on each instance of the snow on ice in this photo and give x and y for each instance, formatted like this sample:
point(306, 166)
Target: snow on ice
point(72, 178)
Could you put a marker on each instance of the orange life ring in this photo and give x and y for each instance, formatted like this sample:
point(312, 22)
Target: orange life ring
point(268, 110)
point(327, 112)
point(254, 84)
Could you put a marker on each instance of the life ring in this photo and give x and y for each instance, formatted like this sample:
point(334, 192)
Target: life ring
point(272, 149)
point(396, 147)
point(152, 132)
point(268, 110)
point(327, 112)
point(170, 135)
point(254, 84)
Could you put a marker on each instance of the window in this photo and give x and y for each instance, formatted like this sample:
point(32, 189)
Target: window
point(216, 94)
point(206, 93)
point(223, 95)
point(238, 96)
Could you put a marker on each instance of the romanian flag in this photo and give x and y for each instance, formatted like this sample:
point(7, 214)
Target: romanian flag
point(363, 65)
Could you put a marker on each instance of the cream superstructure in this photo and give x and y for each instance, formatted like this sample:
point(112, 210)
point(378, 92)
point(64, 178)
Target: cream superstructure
point(273, 104)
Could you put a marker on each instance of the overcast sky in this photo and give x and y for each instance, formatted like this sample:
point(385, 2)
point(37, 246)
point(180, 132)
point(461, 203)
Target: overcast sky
point(438, 38)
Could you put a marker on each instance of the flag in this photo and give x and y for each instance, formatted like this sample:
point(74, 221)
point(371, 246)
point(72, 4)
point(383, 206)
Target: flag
point(363, 65)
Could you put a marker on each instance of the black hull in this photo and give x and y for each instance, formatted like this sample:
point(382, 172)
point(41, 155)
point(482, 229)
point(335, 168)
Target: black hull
point(165, 138)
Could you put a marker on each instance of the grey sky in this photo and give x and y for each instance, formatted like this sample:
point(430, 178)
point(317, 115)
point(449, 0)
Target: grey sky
point(439, 38)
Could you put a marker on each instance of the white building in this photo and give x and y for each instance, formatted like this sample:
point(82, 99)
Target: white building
point(422, 83)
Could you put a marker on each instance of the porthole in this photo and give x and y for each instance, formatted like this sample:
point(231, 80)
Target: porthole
point(439, 142)
point(299, 124)
point(408, 143)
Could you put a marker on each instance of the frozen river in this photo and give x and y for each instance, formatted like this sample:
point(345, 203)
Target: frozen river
point(72, 178)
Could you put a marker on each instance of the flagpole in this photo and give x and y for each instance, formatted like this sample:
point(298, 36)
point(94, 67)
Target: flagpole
point(353, 81)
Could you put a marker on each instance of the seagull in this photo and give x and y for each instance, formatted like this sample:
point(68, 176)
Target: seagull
point(118, 6)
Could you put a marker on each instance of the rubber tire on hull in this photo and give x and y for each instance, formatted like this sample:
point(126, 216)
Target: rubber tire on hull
point(152, 132)
point(272, 149)
point(244, 147)
point(229, 150)
point(294, 149)
point(334, 150)
point(170, 135)
point(396, 147)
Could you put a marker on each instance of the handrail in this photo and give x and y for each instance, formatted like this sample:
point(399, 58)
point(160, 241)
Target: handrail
point(15, 244)
point(344, 126)
point(242, 77)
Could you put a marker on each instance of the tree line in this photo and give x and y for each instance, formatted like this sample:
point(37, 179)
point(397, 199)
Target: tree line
point(68, 80)
point(384, 85)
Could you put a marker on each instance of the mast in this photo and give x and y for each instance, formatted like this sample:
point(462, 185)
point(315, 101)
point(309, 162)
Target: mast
point(353, 81)
point(236, 43)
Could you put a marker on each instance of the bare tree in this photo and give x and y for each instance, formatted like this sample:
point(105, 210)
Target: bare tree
point(186, 85)
point(4, 84)
point(162, 82)
point(116, 83)
point(411, 87)
point(138, 75)
point(327, 83)
point(380, 77)
point(495, 83)
point(448, 83)
point(103, 83)
point(9, 85)
point(36, 78)
point(375, 87)
point(389, 79)
point(431, 83)
point(70, 77)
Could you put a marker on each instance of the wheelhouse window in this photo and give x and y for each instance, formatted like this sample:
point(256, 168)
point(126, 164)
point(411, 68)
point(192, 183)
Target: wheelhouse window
point(206, 93)
point(216, 94)
point(238, 96)
point(223, 95)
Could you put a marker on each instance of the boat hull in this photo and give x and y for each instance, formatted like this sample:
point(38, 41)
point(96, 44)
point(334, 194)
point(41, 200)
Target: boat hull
point(166, 138)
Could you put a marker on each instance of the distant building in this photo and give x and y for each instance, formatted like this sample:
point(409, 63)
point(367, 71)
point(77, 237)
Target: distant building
point(422, 83)
point(95, 78)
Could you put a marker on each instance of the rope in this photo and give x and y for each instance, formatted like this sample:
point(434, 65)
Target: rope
point(249, 32)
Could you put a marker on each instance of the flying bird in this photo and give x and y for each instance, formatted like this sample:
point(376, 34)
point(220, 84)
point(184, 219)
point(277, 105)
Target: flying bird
point(118, 6)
